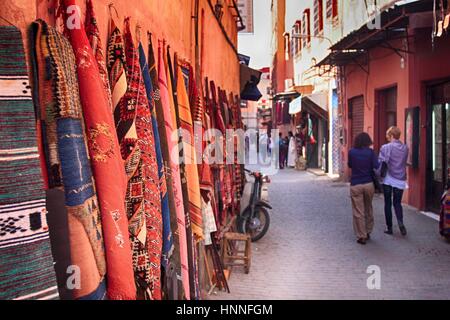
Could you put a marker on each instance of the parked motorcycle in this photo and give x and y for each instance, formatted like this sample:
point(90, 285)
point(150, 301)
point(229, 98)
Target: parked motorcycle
point(254, 218)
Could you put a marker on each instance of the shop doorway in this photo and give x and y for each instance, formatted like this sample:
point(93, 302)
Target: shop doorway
point(356, 116)
point(385, 115)
point(438, 143)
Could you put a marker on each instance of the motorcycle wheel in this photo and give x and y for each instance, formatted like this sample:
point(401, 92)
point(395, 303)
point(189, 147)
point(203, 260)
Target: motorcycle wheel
point(243, 224)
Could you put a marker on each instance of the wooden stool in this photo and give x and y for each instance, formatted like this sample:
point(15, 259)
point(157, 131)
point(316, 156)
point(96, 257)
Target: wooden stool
point(231, 252)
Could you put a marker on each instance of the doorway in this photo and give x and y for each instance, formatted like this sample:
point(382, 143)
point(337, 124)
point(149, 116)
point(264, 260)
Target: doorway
point(438, 144)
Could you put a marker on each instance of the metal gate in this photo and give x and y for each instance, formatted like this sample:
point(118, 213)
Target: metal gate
point(356, 114)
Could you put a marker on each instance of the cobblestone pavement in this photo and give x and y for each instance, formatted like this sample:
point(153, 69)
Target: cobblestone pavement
point(310, 250)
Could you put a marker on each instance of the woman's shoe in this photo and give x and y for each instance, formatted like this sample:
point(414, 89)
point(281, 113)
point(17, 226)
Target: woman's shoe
point(403, 230)
point(361, 241)
point(388, 231)
point(368, 236)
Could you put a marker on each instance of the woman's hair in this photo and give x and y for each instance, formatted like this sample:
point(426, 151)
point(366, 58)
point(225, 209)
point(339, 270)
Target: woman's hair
point(394, 132)
point(362, 140)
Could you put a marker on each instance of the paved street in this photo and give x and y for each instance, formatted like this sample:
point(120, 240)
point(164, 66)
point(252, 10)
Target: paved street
point(310, 250)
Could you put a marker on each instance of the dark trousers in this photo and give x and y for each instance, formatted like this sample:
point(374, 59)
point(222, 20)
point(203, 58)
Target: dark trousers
point(283, 156)
point(394, 195)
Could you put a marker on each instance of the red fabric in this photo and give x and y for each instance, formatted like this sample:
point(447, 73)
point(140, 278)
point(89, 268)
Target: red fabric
point(150, 177)
point(107, 165)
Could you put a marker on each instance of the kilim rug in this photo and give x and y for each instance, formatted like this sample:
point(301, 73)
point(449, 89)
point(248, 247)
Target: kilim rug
point(68, 161)
point(107, 165)
point(170, 126)
point(26, 263)
point(124, 101)
point(173, 99)
point(171, 278)
point(189, 156)
point(191, 171)
point(93, 34)
point(147, 217)
point(167, 234)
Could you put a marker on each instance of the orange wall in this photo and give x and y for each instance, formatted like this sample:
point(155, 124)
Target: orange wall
point(279, 63)
point(165, 19)
point(384, 72)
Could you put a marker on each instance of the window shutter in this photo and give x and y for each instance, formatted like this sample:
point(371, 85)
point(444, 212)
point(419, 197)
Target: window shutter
point(318, 17)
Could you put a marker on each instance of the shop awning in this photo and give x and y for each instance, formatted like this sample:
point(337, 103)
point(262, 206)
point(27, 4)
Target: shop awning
point(295, 106)
point(394, 23)
point(250, 79)
point(316, 104)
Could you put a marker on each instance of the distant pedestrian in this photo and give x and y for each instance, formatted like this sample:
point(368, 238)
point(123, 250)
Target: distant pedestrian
point(363, 161)
point(286, 146)
point(283, 151)
point(394, 154)
point(292, 151)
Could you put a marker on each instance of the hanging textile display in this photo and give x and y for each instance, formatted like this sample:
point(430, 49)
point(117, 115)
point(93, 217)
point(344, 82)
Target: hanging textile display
point(170, 127)
point(238, 148)
point(220, 172)
point(26, 263)
point(125, 120)
point(93, 34)
point(68, 161)
point(162, 105)
point(107, 166)
point(172, 88)
point(167, 244)
point(190, 168)
point(204, 174)
point(189, 154)
point(143, 198)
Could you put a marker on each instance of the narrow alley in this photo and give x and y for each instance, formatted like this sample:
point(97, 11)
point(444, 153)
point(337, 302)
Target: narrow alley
point(310, 251)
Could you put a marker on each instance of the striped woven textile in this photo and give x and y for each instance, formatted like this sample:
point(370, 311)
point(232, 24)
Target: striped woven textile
point(172, 147)
point(172, 88)
point(107, 165)
point(26, 263)
point(68, 161)
point(189, 156)
point(123, 117)
point(171, 275)
point(167, 234)
point(93, 34)
point(125, 120)
point(148, 189)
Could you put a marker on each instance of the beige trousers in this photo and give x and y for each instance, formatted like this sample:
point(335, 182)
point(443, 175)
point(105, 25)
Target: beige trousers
point(362, 196)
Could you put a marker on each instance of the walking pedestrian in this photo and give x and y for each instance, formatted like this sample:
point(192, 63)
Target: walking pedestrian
point(292, 153)
point(362, 160)
point(283, 151)
point(394, 154)
point(286, 150)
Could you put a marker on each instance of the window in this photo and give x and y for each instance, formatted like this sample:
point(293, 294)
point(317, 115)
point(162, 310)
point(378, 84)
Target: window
point(318, 17)
point(332, 9)
point(293, 42)
point(306, 28)
point(287, 46)
point(298, 31)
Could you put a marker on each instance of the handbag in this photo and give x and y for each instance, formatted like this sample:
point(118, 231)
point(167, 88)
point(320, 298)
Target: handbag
point(376, 183)
point(383, 170)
